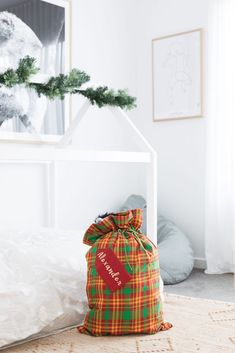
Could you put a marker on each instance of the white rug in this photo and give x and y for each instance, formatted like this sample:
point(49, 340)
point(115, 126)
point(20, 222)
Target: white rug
point(200, 326)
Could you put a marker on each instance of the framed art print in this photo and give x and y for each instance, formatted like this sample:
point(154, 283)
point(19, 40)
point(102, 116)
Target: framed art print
point(177, 76)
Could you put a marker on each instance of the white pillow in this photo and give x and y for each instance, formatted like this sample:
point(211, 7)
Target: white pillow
point(42, 281)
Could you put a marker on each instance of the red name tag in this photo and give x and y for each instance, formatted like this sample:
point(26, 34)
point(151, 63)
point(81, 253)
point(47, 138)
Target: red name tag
point(111, 269)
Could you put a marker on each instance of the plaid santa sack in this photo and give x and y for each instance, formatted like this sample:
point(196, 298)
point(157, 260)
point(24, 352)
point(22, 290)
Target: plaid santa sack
point(123, 278)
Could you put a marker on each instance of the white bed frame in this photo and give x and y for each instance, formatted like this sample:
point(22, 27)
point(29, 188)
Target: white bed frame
point(63, 151)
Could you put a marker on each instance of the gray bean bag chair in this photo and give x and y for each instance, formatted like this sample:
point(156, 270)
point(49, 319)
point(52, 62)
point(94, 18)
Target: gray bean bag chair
point(175, 251)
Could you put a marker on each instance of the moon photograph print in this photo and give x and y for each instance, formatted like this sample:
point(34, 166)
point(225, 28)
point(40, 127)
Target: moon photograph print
point(177, 76)
point(35, 29)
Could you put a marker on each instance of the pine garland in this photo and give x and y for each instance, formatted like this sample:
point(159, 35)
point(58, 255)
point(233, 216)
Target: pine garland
point(58, 87)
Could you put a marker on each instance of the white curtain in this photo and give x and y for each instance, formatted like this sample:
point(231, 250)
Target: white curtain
point(220, 184)
point(47, 21)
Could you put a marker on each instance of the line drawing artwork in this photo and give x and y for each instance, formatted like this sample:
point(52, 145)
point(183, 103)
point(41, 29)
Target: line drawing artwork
point(177, 63)
point(177, 76)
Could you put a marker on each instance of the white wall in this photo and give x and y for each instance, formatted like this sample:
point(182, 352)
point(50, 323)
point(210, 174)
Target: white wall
point(180, 144)
point(102, 46)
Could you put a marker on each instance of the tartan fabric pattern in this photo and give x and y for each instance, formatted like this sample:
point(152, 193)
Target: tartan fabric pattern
point(137, 307)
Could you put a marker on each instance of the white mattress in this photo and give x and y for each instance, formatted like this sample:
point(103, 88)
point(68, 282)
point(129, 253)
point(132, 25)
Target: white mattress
point(42, 282)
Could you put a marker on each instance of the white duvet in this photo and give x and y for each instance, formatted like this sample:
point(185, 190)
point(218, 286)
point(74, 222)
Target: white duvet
point(42, 282)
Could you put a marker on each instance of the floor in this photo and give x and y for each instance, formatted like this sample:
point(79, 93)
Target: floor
point(201, 285)
point(199, 326)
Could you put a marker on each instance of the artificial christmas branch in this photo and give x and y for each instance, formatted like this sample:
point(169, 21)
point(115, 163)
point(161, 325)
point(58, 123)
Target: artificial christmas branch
point(58, 87)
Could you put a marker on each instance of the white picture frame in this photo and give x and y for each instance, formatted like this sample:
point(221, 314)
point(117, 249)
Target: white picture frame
point(177, 76)
point(41, 138)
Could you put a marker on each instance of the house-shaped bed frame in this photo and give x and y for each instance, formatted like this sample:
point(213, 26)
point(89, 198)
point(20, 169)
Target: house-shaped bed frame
point(64, 151)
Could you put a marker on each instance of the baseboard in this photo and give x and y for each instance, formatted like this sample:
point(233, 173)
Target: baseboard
point(200, 263)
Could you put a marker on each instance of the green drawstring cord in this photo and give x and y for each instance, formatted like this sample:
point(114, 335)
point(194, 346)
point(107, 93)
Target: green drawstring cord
point(113, 237)
point(125, 232)
point(139, 241)
point(126, 253)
